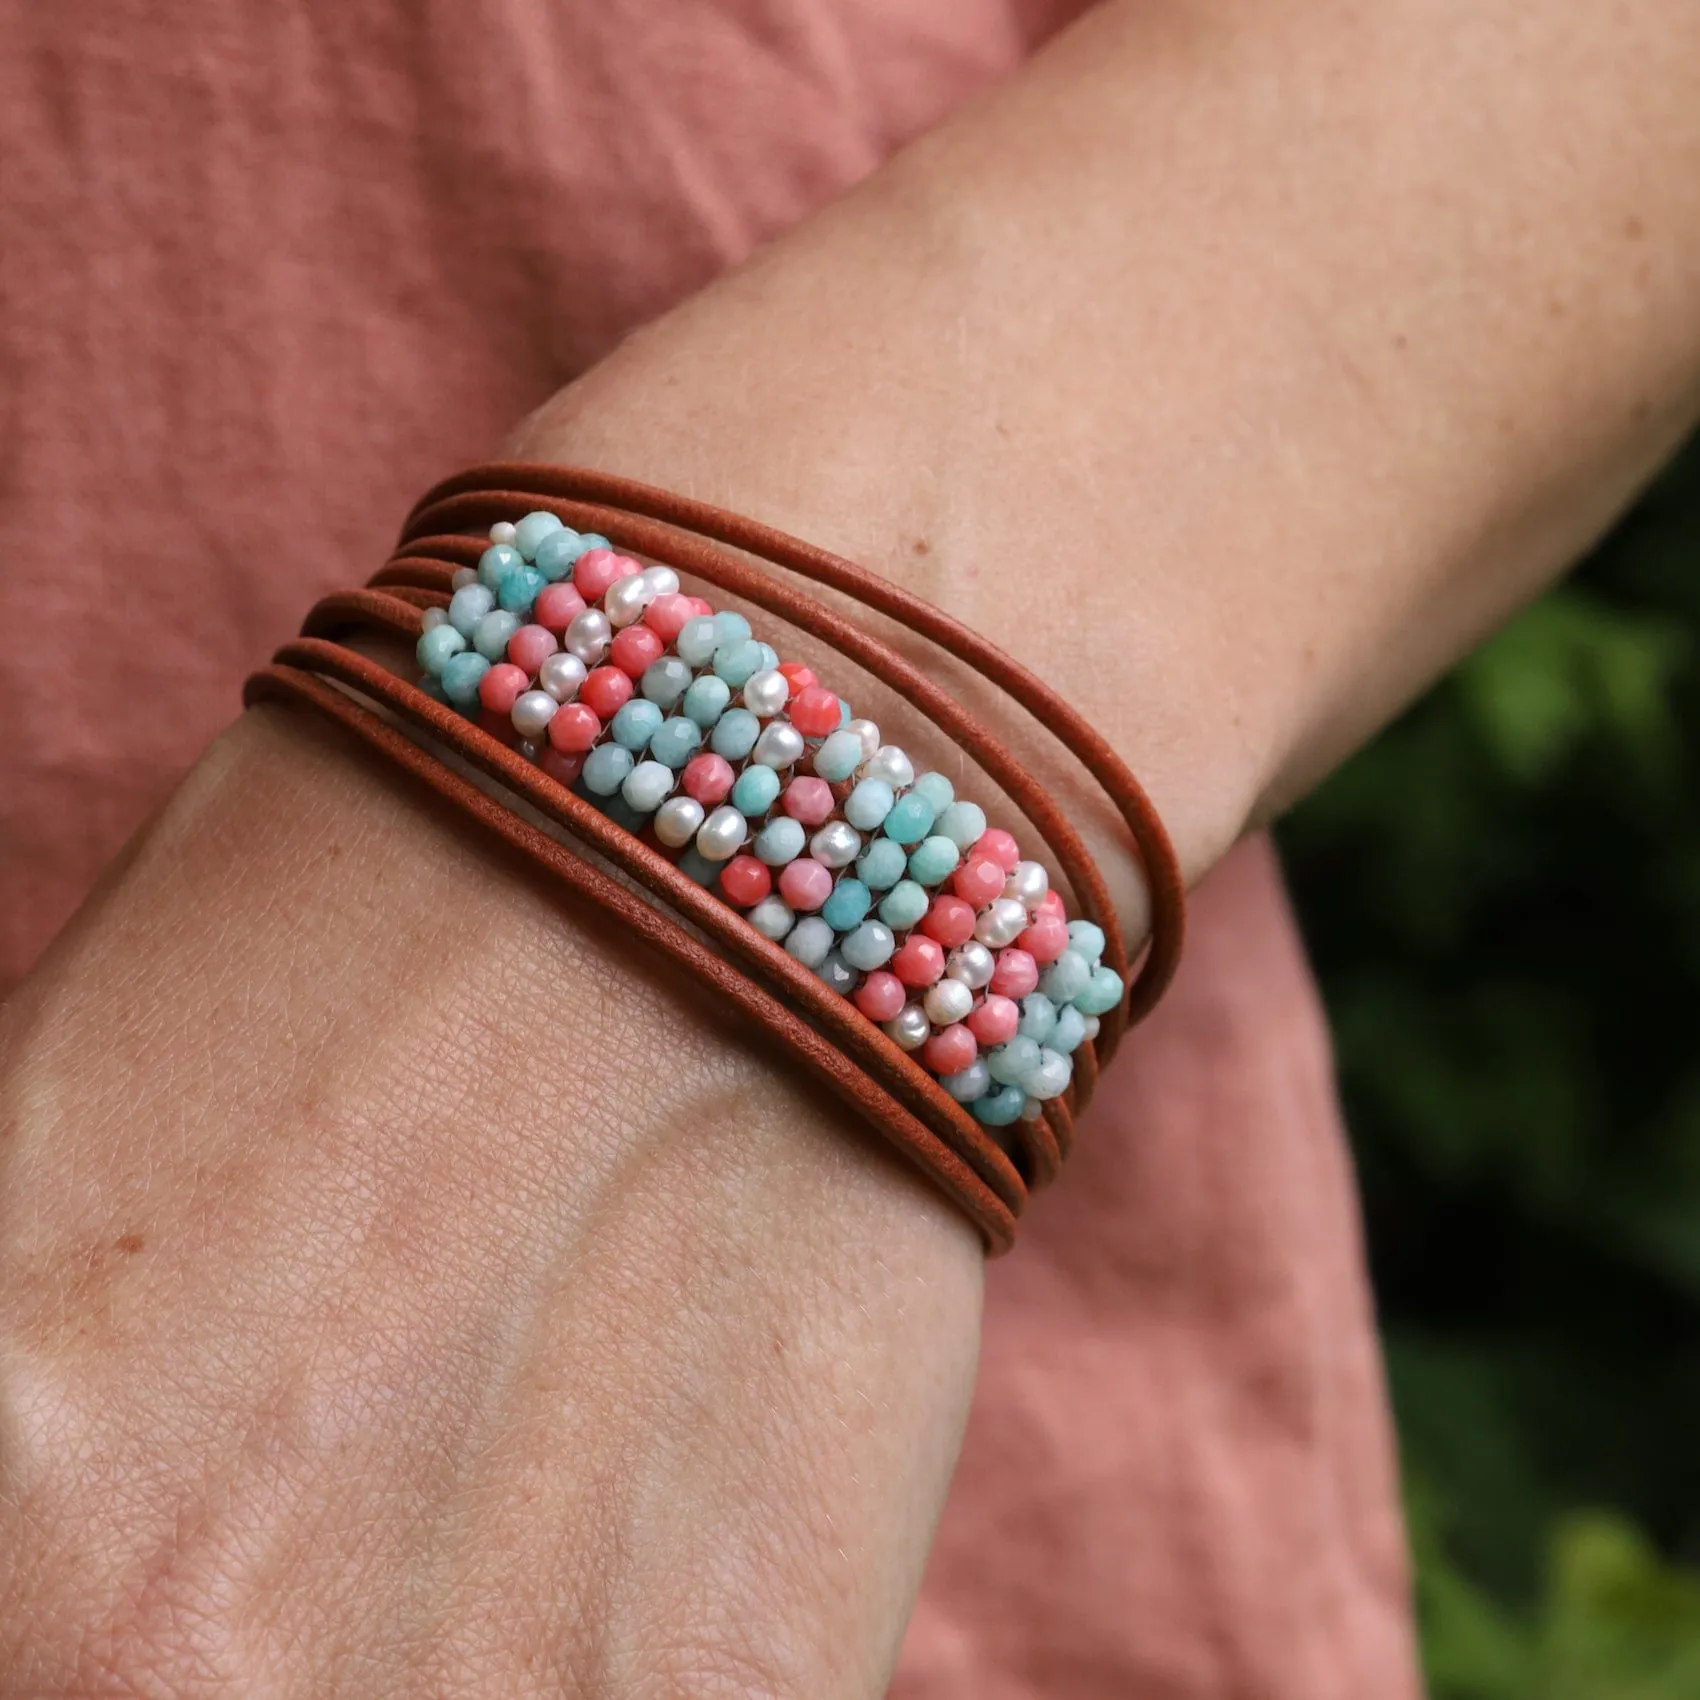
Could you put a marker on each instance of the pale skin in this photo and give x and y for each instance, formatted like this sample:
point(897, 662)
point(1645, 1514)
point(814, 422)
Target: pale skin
point(345, 1348)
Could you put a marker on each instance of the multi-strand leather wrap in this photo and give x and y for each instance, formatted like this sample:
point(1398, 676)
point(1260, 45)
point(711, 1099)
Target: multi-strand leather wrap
point(822, 1031)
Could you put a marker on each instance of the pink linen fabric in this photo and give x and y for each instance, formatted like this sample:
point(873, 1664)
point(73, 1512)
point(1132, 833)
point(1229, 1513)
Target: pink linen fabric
point(269, 266)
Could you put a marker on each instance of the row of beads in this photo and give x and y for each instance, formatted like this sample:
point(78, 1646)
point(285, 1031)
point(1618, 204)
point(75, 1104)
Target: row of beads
point(892, 889)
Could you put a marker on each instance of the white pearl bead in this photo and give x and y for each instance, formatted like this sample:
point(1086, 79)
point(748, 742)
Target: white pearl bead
point(626, 600)
point(810, 941)
point(972, 964)
point(1028, 884)
point(771, 918)
point(677, 820)
point(909, 1028)
point(532, 712)
point(660, 581)
point(1001, 923)
point(722, 834)
point(867, 734)
point(836, 845)
point(588, 636)
point(432, 618)
point(948, 1001)
point(780, 745)
point(561, 675)
point(1090, 1027)
point(766, 692)
point(462, 577)
point(1030, 1110)
point(970, 1084)
point(889, 763)
point(503, 532)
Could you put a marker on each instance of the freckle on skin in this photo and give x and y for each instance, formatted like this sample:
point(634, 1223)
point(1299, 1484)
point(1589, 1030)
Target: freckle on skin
point(1633, 228)
point(922, 546)
point(129, 1243)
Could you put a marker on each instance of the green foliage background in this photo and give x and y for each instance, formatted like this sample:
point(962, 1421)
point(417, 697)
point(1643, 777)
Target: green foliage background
point(1502, 896)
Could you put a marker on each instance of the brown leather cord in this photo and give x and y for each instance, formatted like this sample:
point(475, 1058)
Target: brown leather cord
point(1165, 886)
point(859, 1039)
point(709, 562)
point(990, 1214)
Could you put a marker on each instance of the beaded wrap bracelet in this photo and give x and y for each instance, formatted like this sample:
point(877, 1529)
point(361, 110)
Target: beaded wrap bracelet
point(576, 654)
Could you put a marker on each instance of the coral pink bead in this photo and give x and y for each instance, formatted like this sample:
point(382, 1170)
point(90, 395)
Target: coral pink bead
point(1052, 904)
point(999, 846)
point(595, 570)
point(806, 884)
point(814, 711)
point(978, 880)
point(530, 647)
point(919, 961)
point(809, 800)
point(708, 778)
point(500, 688)
point(881, 996)
point(744, 881)
point(606, 690)
point(562, 767)
point(797, 676)
point(574, 729)
point(950, 921)
point(700, 605)
point(1046, 939)
point(950, 1050)
point(1014, 974)
point(995, 1020)
point(666, 615)
point(558, 605)
point(634, 649)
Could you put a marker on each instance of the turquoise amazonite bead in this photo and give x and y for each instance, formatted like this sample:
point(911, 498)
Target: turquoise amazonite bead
point(1000, 1108)
point(904, 905)
point(933, 860)
point(697, 640)
point(494, 630)
point(705, 700)
point(1087, 940)
point(1069, 1030)
point(937, 790)
point(882, 865)
point(756, 791)
point(735, 662)
point(839, 756)
point(530, 531)
point(1066, 978)
point(963, 824)
point(519, 590)
point(730, 627)
point(496, 563)
point(437, 646)
point(868, 804)
point(780, 841)
point(848, 906)
point(605, 769)
point(468, 606)
point(665, 681)
point(634, 724)
point(461, 676)
point(1038, 1018)
point(910, 820)
point(675, 741)
point(735, 734)
point(557, 553)
point(868, 947)
point(1103, 991)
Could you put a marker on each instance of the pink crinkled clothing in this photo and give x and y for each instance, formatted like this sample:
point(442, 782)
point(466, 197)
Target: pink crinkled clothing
point(310, 254)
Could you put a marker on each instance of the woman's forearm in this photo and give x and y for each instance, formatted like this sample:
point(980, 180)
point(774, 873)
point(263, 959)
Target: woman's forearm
point(406, 1289)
